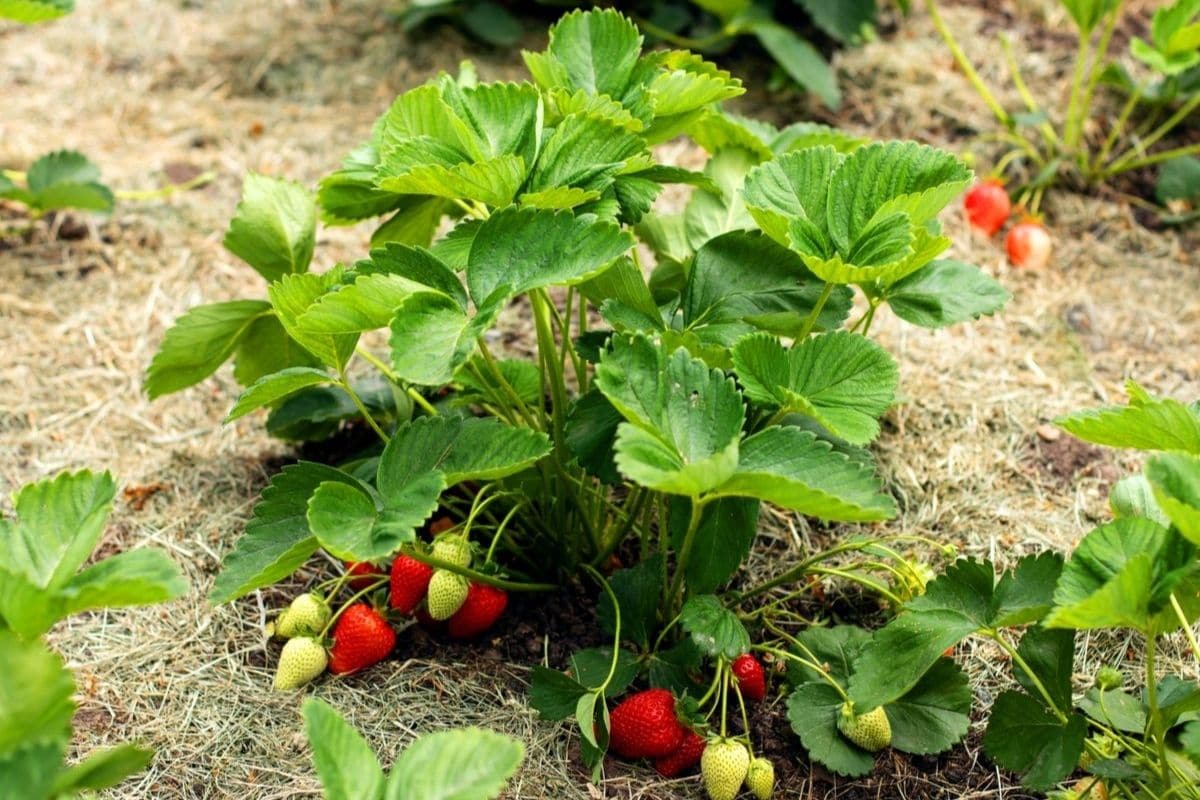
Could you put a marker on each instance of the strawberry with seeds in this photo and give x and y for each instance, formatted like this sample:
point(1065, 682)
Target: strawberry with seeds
point(644, 725)
point(481, 609)
point(686, 757)
point(750, 676)
point(409, 583)
point(361, 638)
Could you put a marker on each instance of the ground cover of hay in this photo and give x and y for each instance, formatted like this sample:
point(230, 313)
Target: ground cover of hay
point(157, 91)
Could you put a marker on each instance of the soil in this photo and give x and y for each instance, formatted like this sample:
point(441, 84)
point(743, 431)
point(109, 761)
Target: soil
point(158, 92)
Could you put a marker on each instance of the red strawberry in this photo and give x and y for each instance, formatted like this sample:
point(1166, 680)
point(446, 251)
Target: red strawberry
point(361, 638)
point(987, 206)
point(410, 581)
point(683, 759)
point(483, 606)
point(365, 573)
point(750, 676)
point(1028, 245)
point(644, 725)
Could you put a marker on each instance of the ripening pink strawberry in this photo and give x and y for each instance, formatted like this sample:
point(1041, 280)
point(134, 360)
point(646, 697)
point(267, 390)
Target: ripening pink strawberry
point(1028, 245)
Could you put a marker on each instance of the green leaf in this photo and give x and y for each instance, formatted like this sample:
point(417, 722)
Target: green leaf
point(794, 469)
point(463, 764)
point(554, 695)
point(583, 152)
point(637, 589)
point(493, 182)
point(265, 348)
point(103, 769)
point(1133, 496)
point(344, 761)
point(88, 196)
point(1176, 481)
point(29, 11)
point(842, 380)
point(1051, 655)
point(591, 667)
point(277, 540)
point(721, 542)
point(314, 413)
point(1178, 179)
point(709, 213)
point(346, 523)
point(31, 770)
point(35, 695)
point(432, 337)
point(848, 21)
point(414, 223)
point(199, 342)
point(460, 449)
point(292, 296)
point(935, 714)
point(1118, 576)
point(800, 60)
point(945, 292)
point(274, 387)
point(1088, 13)
point(715, 629)
point(1024, 594)
point(812, 710)
point(1024, 736)
point(506, 118)
point(1147, 423)
point(794, 187)
point(590, 434)
point(61, 167)
point(133, 578)
point(595, 51)
point(683, 419)
point(274, 228)
point(59, 523)
point(835, 649)
point(741, 282)
point(519, 249)
point(1116, 708)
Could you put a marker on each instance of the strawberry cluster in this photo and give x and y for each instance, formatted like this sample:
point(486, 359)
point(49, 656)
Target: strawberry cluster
point(646, 725)
point(362, 634)
point(988, 207)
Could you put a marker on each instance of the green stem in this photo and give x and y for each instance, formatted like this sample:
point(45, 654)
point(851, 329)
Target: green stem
point(1115, 132)
point(500, 530)
point(354, 598)
point(811, 321)
point(1073, 126)
point(1186, 626)
point(165, 191)
point(800, 569)
point(810, 662)
point(1018, 79)
point(1157, 158)
point(686, 42)
point(968, 69)
point(388, 373)
point(674, 594)
point(518, 405)
point(478, 577)
point(1017, 659)
point(1098, 62)
point(612, 667)
point(1154, 720)
point(362, 408)
point(1126, 160)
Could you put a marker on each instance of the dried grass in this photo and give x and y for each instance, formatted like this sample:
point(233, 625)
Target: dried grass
point(287, 88)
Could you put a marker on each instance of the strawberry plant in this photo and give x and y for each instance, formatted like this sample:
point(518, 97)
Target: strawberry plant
point(1044, 150)
point(58, 523)
point(59, 180)
point(1138, 573)
point(462, 764)
point(661, 404)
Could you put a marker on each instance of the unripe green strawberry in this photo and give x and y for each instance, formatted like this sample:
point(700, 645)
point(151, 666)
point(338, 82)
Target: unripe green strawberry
point(303, 658)
point(724, 766)
point(870, 731)
point(447, 593)
point(760, 778)
point(1109, 678)
point(307, 615)
point(453, 548)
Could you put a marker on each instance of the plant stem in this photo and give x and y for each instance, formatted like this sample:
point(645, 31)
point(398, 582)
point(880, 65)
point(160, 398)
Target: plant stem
point(1157, 158)
point(965, 65)
point(1098, 62)
point(1014, 69)
point(362, 408)
point(1115, 133)
point(1126, 160)
point(612, 667)
point(1186, 626)
point(1020, 661)
point(388, 373)
point(1154, 720)
point(353, 599)
point(478, 577)
point(686, 42)
point(518, 405)
point(811, 321)
point(674, 594)
point(1073, 126)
